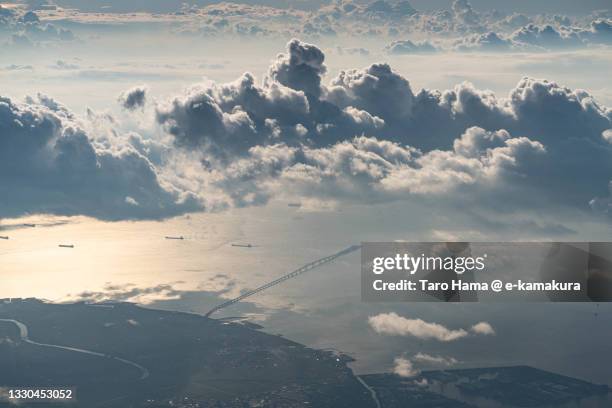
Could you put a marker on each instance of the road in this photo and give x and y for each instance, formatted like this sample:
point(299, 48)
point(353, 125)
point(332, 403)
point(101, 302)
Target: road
point(24, 334)
point(371, 390)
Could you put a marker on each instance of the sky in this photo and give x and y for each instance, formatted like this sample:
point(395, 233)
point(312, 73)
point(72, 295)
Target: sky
point(518, 6)
point(373, 122)
point(522, 6)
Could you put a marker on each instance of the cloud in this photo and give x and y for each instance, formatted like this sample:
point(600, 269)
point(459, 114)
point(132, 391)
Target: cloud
point(393, 324)
point(434, 360)
point(353, 51)
point(389, 19)
point(403, 367)
point(363, 136)
point(15, 67)
point(134, 98)
point(599, 32)
point(63, 65)
point(27, 31)
point(368, 137)
point(603, 205)
point(372, 170)
point(216, 286)
point(483, 328)
point(489, 41)
point(129, 293)
point(546, 36)
point(513, 21)
point(464, 13)
point(50, 164)
point(402, 47)
point(390, 9)
point(300, 69)
point(376, 89)
point(231, 118)
point(534, 38)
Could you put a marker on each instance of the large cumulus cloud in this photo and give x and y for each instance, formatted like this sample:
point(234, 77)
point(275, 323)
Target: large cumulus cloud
point(49, 164)
point(367, 136)
point(231, 118)
point(368, 170)
point(301, 68)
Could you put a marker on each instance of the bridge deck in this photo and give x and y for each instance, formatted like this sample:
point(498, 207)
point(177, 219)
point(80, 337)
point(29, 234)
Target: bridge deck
point(297, 272)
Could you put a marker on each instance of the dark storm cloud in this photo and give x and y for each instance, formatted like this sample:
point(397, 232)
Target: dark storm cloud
point(49, 164)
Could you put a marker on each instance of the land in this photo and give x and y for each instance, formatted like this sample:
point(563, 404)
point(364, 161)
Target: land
point(123, 355)
point(191, 359)
point(518, 386)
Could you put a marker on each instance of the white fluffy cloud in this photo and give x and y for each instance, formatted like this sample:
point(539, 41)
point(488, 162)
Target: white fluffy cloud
point(483, 328)
point(404, 368)
point(428, 359)
point(367, 136)
point(396, 325)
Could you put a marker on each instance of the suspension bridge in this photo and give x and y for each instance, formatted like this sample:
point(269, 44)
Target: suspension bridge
point(308, 267)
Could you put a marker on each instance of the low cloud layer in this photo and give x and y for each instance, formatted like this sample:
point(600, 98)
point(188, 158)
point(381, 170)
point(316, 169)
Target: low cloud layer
point(406, 29)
